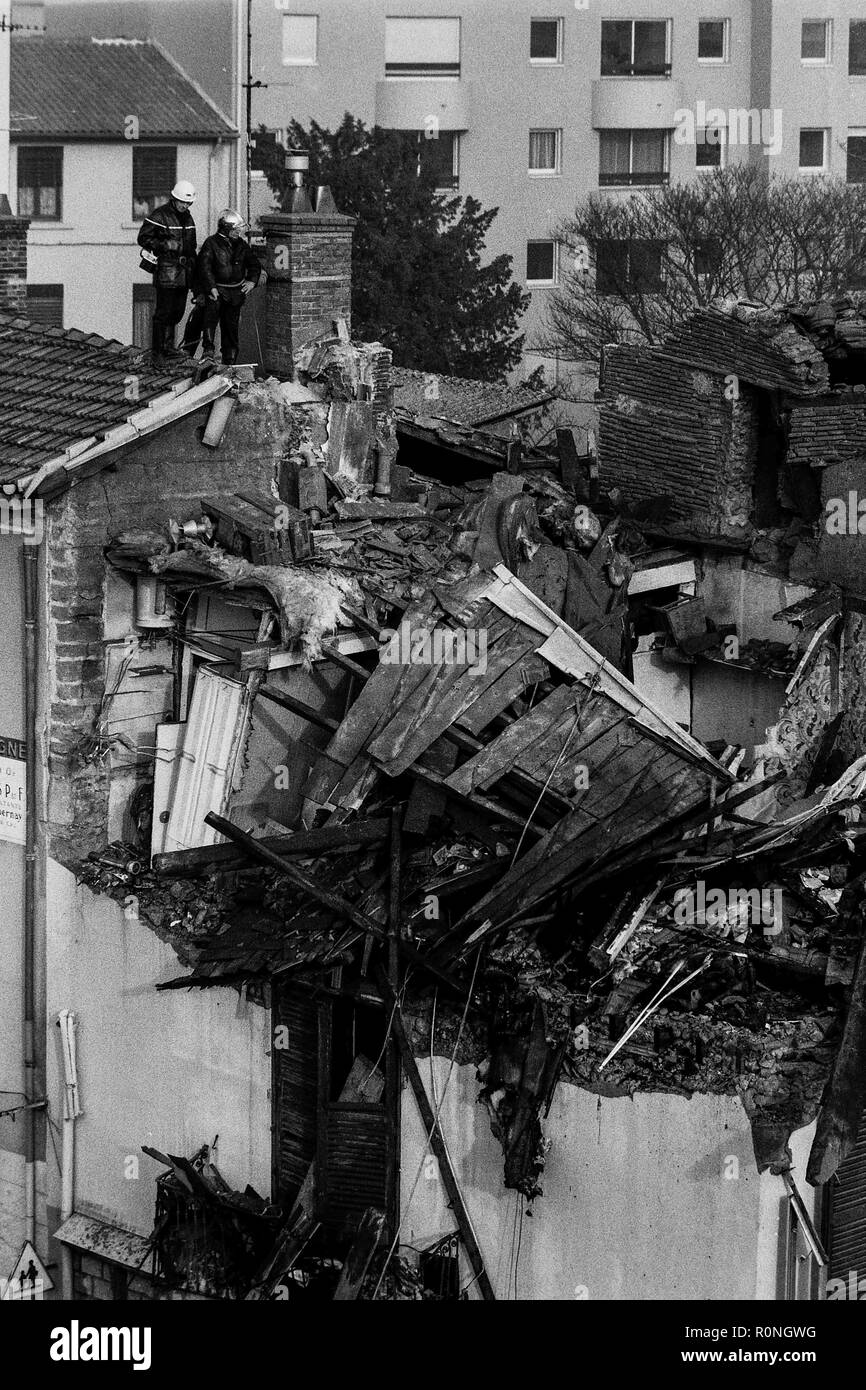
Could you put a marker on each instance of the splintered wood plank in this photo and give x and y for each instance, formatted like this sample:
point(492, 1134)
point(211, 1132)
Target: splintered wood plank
point(504, 691)
point(447, 701)
point(493, 761)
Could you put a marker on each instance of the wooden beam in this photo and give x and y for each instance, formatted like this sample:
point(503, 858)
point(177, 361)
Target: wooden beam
point(186, 863)
point(361, 1252)
point(334, 901)
point(845, 1097)
point(437, 1143)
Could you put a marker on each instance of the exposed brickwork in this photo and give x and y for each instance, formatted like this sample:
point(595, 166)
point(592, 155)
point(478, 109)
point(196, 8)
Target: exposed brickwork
point(667, 430)
point(13, 264)
point(164, 477)
point(309, 266)
point(96, 1279)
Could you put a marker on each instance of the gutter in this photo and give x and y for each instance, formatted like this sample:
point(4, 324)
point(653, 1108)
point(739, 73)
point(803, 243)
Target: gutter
point(58, 473)
point(31, 1087)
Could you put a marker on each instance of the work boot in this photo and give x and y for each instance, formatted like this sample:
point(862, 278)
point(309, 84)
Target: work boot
point(157, 361)
point(173, 353)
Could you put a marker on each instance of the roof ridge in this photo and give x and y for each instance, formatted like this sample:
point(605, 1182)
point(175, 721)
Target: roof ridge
point(192, 82)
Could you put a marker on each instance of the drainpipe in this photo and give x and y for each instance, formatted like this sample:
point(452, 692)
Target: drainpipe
point(71, 1109)
point(31, 1087)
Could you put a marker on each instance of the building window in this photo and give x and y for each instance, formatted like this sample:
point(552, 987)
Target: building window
point(440, 155)
point(45, 304)
point(635, 48)
point(300, 40)
point(714, 37)
point(629, 267)
point(40, 182)
point(544, 151)
point(857, 48)
point(631, 158)
point(708, 258)
point(856, 157)
point(813, 151)
point(541, 263)
point(422, 47)
point(545, 41)
point(143, 304)
point(711, 148)
point(154, 174)
point(815, 41)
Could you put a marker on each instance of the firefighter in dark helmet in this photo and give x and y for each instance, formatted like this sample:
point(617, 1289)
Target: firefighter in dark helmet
point(226, 270)
point(168, 243)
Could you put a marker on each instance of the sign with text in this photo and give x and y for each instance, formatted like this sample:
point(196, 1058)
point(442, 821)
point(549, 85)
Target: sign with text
point(13, 752)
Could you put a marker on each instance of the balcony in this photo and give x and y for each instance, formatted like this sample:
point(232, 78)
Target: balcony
point(634, 103)
point(410, 103)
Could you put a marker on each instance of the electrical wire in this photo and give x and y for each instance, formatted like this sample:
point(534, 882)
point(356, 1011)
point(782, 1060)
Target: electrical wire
point(434, 1126)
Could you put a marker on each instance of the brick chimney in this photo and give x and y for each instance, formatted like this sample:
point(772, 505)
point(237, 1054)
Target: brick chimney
point(309, 266)
point(13, 260)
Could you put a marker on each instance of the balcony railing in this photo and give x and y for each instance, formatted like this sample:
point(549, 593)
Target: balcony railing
point(636, 69)
point(637, 179)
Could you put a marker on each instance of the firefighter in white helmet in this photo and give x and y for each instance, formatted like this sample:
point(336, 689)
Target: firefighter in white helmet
point(226, 270)
point(168, 247)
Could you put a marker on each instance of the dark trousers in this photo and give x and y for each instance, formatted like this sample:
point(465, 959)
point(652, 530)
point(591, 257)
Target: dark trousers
point(170, 306)
point(203, 321)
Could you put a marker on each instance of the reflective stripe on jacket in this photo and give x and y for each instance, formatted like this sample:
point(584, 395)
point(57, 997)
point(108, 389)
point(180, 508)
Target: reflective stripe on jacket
point(171, 237)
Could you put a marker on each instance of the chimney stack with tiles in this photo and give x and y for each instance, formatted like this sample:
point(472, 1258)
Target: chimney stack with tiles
point(13, 260)
point(309, 266)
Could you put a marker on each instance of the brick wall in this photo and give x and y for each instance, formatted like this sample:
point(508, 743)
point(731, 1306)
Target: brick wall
point(13, 264)
point(163, 478)
point(667, 430)
point(101, 1280)
point(309, 266)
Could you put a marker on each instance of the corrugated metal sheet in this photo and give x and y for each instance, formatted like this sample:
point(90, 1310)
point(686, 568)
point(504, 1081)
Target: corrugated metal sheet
point(208, 759)
point(848, 1214)
point(354, 1175)
point(296, 1083)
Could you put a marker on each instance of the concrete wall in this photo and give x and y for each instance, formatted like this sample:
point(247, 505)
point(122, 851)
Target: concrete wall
point(170, 1070)
point(635, 1203)
point(93, 251)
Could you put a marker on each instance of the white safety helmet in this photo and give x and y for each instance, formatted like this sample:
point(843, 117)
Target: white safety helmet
point(183, 192)
point(229, 220)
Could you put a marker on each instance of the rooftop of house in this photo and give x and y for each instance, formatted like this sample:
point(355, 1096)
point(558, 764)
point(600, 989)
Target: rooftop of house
point(461, 399)
point(60, 387)
point(87, 88)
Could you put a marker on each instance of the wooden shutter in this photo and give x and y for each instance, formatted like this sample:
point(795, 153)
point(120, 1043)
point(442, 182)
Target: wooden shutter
point(353, 1175)
point(848, 1213)
point(296, 1089)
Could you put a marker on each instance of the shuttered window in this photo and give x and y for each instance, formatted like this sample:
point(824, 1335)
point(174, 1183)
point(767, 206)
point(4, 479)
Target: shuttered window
point(422, 47)
point(296, 1087)
point(45, 304)
point(847, 1226)
point(154, 174)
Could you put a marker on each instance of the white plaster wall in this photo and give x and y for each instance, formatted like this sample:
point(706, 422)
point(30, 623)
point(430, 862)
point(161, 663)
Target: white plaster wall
point(636, 1203)
point(93, 251)
point(171, 1070)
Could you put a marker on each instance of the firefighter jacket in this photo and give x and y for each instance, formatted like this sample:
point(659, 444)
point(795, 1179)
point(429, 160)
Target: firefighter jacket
point(225, 264)
point(170, 236)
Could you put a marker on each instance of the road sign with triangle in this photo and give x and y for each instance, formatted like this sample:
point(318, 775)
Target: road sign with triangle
point(29, 1279)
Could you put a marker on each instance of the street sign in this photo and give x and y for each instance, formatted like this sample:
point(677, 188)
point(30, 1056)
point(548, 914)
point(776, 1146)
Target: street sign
point(13, 769)
point(28, 1280)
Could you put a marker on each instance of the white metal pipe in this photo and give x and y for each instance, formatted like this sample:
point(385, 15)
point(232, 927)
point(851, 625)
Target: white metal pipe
point(71, 1110)
point(5, 35)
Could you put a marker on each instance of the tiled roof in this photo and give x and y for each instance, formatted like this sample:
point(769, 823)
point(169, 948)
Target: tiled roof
point(459, 398)
point(59, 386)
point(90, 87)
point(760, 347)
point(827, 434)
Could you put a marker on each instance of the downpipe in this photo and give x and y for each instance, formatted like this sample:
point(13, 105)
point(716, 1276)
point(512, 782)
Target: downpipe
point(71, 1110)
point(30, 1084)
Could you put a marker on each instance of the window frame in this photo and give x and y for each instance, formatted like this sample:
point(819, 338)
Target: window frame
point(851, 26)
point(726, 41)
point(543, 284)
point(46, 298)
point(138, 152)
point(298, 62)
point(632, 180)
point(824, 166)
point(28, 149)
point(416, 72)
point(630, 286)
point(645, 76)
point(828, 43)
point(547, 19)
point(721, 145)
point(556, 171)
point(856, 133)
